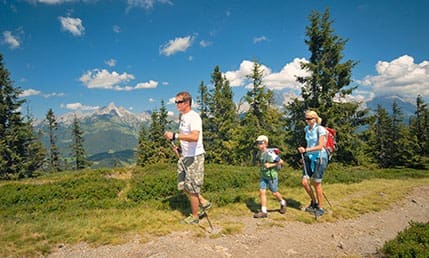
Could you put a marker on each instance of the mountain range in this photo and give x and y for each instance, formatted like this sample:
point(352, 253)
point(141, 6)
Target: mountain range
point(110, 133)
point(408, 109)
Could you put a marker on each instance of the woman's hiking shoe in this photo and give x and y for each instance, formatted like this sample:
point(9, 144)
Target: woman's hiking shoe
point(319, 211)
point(260, 215)
point(311, 207)
point(191, 220)
point(282, 209)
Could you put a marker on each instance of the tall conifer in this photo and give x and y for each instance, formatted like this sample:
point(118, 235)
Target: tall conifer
point(54, 153)
point(78, 151)
point(326, 90)
point(17, 141)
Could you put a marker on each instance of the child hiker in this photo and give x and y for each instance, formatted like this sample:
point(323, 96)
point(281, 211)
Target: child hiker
point(270, 164)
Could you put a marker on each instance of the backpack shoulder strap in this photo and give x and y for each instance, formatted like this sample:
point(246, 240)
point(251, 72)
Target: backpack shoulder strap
point(318, 134)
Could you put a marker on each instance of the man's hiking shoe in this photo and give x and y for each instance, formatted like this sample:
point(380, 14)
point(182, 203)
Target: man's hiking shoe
point(319, 211)
point(282, 209)
point(191, 220)
point(202, 214)
point(203, 209)
point(311, 207)
point(260, 215)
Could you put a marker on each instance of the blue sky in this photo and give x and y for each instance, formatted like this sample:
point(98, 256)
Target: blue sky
point(73, 55)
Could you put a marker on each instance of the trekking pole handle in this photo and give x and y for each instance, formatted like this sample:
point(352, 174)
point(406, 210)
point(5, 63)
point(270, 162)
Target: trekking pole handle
point(303, 163)
point(175, 149)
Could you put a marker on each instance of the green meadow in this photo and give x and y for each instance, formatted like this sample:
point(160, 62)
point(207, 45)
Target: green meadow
point(112, 206)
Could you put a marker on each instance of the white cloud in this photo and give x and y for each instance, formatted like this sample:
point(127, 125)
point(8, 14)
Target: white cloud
point(259, 39)
point(103, 79)
point(204, 43)
point(176, 45)
point(11, 40)
point(116, 29)
point(79, 106)
point(285, 79)
point(243, 107)
point(33, 92)
point(53, 1)
point(53, 94)
point(72, 25)
point(400, 77)
point(111, 62)
point(125, 88)
point(147, 85)
point(29, 92)
point(238, 77)
point(146, 4)
point(171, 100)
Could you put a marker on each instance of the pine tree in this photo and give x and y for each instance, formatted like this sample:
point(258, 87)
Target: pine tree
point(54, 154)
point(35, 152)
point(383, 138)
point(78, 151)
point(405, 147)
point(419, 125)
point(326, 88)
point(152, 146)
point(259, 97)
point(16, 136)
point(203, 102)
point(261, 118)
point(392, 144)
point(220, 119)
point(143, 147)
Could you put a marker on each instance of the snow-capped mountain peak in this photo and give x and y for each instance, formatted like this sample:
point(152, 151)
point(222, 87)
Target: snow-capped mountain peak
point(112, 109)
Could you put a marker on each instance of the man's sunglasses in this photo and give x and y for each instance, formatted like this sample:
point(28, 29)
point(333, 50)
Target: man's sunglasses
point(179, 101)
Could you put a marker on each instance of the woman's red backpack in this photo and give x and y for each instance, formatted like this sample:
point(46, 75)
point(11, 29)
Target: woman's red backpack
point(331, 142)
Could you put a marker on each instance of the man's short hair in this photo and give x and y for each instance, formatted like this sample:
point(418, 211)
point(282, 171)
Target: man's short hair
point(186, 96)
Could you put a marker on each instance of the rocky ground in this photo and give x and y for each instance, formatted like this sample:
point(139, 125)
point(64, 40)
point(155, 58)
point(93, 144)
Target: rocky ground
point(360, 237)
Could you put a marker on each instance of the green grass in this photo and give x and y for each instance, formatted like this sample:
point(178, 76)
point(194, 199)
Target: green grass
point(112, 206)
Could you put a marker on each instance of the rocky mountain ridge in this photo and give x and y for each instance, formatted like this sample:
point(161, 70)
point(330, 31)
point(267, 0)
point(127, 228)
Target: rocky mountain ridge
point(110, 134)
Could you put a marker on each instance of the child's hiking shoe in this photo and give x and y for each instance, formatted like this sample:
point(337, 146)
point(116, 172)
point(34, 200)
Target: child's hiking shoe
point(319, 211)
point(311, 207)
point(260, 215)
point(191, 220)
point(282, 209)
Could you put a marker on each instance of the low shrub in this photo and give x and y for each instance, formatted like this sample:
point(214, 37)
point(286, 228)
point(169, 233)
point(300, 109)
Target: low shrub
point(86, 190)
point(411, 242)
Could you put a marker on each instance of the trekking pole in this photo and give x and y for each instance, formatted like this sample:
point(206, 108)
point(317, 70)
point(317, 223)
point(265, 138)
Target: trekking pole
point(327, 199)
point(309, 183)
point(204, 212)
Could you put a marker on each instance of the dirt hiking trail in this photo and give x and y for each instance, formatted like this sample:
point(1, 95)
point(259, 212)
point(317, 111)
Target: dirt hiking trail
point(359, 237)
